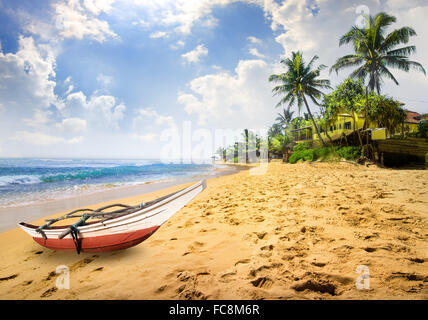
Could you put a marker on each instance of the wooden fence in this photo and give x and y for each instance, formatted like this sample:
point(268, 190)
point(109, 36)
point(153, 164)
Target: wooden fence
point(414, 147)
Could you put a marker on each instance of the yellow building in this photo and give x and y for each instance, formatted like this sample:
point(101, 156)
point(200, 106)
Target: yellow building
point(347, 123)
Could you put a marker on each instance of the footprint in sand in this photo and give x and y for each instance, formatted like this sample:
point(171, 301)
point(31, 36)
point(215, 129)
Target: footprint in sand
point(262, 282)
point(83, 263)
point(261, 235)
point(255, 272)
point(227, 276)
point(243, 261)
point(9, 277)
point(48, 292)
point(98, 269)
point(194, 248)
point(320, 286)
point(27, 283)
point(416, 260)
point(50, 275)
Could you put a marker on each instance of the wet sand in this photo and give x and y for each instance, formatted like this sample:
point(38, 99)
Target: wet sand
point(297, 232)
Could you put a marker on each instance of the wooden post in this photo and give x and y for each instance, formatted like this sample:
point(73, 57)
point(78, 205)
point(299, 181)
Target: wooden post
point(426, 160)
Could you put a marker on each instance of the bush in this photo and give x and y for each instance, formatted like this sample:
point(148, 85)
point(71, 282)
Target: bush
point(349, 153)
point(423, 129)
point(307, 155)
point(302, 146)
point(324, 153)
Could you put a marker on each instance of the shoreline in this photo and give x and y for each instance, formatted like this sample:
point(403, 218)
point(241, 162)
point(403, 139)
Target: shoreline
point(297, 232)
point(11, 216)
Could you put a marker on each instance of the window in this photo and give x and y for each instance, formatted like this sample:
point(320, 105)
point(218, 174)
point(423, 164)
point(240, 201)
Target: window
point(347, 125)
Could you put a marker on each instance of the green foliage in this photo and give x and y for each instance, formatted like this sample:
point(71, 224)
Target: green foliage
point(301, 146)
point(300, 122)
point(349, 153)
point(348, 96)
point(307, 155)
point(385, 111)
point(375, 51)
point(423, 129)
point(298, 82)
point(325, 153)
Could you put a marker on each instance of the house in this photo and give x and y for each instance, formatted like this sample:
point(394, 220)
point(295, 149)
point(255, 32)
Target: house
point(347, 123)
point(412, 121)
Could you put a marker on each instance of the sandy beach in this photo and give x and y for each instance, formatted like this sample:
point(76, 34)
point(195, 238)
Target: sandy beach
point(297, 232)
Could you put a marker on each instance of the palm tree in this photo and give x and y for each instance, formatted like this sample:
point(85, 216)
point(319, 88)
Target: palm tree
point(274, 129)
point(285, 117)
point(246, 145)
point(375, 51)
point(300, 81)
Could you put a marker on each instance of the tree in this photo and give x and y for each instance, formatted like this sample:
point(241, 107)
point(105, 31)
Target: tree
point(285, 118)
point(280, 143)
point(348, 96)
point(222, 153)
point(274, 129)
point(300, 80)
point(386, 111)
point(375, 51)
point(246, 145)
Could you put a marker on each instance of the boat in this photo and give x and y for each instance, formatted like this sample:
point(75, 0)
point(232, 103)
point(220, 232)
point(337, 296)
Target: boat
point(114, 230)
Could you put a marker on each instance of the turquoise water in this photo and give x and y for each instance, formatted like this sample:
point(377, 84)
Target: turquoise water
point(24, 181)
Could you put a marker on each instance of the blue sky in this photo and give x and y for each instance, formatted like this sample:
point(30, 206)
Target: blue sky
point(94, 78)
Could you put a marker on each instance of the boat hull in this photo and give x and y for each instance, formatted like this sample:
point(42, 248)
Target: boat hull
point(106, 243)
point(117, 233)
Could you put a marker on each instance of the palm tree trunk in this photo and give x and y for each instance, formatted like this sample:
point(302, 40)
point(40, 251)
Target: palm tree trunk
point(246, 145)
point(313, 120)
point(367, 109)
point(357, 129)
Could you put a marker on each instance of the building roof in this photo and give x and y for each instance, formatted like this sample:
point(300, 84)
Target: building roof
point(412, 117)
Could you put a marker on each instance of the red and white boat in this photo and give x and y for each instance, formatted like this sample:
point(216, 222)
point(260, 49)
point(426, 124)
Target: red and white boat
point(120, 232)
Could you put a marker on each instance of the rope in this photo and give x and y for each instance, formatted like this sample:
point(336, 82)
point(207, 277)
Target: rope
point(76, 239)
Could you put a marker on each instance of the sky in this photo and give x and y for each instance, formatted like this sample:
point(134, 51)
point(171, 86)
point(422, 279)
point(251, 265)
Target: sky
point(161, 78)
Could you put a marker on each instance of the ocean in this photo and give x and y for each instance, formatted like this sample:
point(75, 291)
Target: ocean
point(27, 181)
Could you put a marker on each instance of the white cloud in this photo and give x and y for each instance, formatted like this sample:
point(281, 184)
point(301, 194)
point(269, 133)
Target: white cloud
point(102, 110)
point(146, 138)
point(43, 139)
point(195, 55)
point(104, 80)
point(98, 6)
point(256, 53)
point(141, 23)
point(159, 34)
point(179, 44)
point(232, 100)
point(76, 21)
point(26, 77)
point(182, 15)
point(39, 120)
point(71, 125)
point(145, 114)
point(254, 40)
